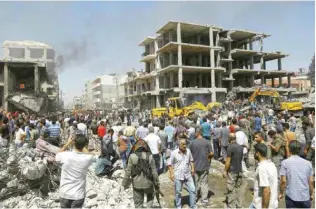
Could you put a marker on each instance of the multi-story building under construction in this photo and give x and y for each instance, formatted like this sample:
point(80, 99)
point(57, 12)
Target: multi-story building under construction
point(202, 63)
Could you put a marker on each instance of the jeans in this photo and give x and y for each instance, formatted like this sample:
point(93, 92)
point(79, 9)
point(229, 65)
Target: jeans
point(138, 197)
point(124, 158)
point(297, 204)
point(207, 137)
point(191, 189)
point(224, 152)
point(170, 145)
point(65, 203)
point(270, 118)
point(157, 161)
point(252, 206)
point(132, 140)
point(201, 183)
point(292, 129)
point(217, 148)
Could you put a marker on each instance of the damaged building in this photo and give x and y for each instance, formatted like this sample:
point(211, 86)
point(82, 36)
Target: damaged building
point(202, 63)
point(28, 78)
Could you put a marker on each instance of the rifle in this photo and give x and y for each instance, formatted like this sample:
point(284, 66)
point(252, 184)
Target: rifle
point(157, 192)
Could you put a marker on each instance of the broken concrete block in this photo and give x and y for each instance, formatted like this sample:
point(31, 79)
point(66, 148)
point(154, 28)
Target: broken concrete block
point(118, 174)
point(91, 194)
point(112, 202)
point(12, 184)
point(91, 203)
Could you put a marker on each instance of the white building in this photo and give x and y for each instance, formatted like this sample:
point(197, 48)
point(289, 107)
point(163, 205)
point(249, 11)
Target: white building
point(106, 89)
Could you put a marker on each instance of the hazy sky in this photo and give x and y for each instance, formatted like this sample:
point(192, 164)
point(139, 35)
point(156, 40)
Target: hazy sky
point(106, 34)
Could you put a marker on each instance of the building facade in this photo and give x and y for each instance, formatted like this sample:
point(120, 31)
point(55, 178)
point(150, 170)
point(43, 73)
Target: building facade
point(27, 72)
point(200, 63)
point(106, 90)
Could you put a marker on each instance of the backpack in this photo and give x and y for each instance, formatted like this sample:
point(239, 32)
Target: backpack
point(142, 166)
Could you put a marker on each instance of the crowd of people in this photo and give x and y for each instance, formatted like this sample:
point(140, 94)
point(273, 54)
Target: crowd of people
point(183, 146)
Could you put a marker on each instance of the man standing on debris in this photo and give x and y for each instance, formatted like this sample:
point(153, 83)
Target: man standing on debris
point(223, 141)
point(181, 171)
point(296, 179)
point(54, 133)
point(206, 129)
point(154, 144)
point(266, 180)
point(101, 130)
point(202, 153)
point(141, 167)
point(130, 132)
point(75, 166)
point(233, 173)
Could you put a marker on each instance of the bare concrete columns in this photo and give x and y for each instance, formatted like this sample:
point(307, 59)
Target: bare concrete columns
point(252, 80)
point(170, 58)
point(180, 77)
point(289, 83)
point(261, 44)
point(262, 79)
point(157, 60)
point(213, 78)
point(179, 33)
point(157, 83)
point(157, 102)
point(218, 61)
point(170, 36)
point(36, 80)
point(217, 39)
point(272, 83)
point(219, 80)
point(6, 86)
point(212, 54)
point(262, 63)
point(279, 64)
point(171, 80)
point(211, 36)
point(250, 44)
point(251, 66)
point(165, 81)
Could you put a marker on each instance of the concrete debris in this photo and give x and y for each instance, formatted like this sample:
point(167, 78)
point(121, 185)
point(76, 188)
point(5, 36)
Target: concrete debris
point(28, 103)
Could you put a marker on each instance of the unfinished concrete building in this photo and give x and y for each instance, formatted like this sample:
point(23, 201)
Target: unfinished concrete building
point(28, 79)
point(201, 63)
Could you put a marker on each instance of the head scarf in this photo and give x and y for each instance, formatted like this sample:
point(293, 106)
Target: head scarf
point(140, 146)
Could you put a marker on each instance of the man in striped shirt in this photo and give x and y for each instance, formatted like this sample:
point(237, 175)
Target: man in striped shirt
point(54, 133)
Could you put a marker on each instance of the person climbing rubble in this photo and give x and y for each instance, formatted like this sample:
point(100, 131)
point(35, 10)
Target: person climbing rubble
point(142, 173)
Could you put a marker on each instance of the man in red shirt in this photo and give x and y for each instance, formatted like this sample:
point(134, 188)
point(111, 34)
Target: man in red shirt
point(101, 130)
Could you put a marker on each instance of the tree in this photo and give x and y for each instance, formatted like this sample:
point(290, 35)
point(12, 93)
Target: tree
point(311, 71)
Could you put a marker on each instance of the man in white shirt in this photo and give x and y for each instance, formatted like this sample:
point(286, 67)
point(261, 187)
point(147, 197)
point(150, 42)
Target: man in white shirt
point(154, 143)
point(270, 116)
point(75, 166)
point(241, 139)
point(19, 135)
point(266, 180)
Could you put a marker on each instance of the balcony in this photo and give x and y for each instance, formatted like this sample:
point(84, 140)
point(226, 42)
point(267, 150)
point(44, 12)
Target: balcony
point(148, 56)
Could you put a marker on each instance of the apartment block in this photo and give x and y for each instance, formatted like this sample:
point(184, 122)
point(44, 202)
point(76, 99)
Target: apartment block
point(106, 91)
point(200, 63)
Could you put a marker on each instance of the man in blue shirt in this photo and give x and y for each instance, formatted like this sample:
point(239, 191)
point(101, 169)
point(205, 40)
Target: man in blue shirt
point(258, 124)
point(169, 129)
point(206, 129)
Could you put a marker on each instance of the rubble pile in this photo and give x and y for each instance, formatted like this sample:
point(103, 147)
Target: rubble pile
point(27, 174)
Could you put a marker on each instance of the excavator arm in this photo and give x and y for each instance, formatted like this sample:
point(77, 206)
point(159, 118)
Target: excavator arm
point(258, 92)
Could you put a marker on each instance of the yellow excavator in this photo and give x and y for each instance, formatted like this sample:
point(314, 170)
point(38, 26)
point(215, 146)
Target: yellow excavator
point(277, 100)
point(176, 107)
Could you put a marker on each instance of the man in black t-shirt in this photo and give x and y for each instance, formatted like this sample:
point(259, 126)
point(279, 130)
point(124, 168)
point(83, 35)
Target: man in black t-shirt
point(233, 172)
